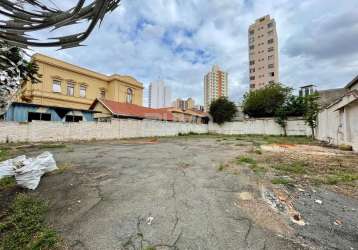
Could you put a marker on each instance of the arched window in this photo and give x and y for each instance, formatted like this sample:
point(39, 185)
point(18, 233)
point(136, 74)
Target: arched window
point(129, 95)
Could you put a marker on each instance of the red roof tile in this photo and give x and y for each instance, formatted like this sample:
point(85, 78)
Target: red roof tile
point(132, 110)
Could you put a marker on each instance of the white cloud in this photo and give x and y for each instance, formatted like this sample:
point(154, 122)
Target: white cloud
point(179, 41)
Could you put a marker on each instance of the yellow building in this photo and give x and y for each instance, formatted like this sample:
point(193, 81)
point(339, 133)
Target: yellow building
point(70, 86)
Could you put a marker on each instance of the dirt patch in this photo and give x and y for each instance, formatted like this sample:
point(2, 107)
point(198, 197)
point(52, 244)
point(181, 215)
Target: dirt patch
point(302, 149)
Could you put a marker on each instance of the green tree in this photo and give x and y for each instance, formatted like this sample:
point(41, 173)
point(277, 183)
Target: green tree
point(312, 111)
point(293, 106)
point(222, 110)
point(14, 70)
point(264, 102)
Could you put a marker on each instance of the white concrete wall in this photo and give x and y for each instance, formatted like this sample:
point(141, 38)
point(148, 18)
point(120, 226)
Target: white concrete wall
point(264, 126)
point(41, 131)
point(38, 131)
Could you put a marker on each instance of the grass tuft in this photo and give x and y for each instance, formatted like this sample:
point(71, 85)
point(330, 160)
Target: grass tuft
point(150, 248)
point(282, 181)
point(222, 167)
point(7, 182)
point(245, 159)
point(4, 154)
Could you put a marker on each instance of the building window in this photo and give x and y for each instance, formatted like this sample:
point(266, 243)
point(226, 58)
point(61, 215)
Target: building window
point(270, 57)
point(270, 41)
point(35, 116)
point(252, 32)
point(70, 89)
point(270, 49)
point(252, 40)
point(252, 78)
point(271, 82)
point(252, 86)
point(252, 62)
point(56, 86)
point(83, 90)
point(252, 70)
point(270, 33)
point(73, 118)
point(272, 74)
point(269, 25)
point(252, 47)
point(271, 66)
point(102, 94)
point(129, 95)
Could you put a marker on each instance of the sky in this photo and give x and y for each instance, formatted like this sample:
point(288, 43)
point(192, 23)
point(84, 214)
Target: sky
point(178, 41)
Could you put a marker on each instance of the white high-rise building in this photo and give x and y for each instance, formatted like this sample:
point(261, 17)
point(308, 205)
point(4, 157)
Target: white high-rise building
point(159, 95)
point(215, 86)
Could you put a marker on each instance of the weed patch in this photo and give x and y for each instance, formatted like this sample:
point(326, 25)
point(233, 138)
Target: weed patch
point(47, 146)
point(340, 178)
point(282, 181)
point(247, 160)
point(257, 169)
point(296, 167)
point(7, 182)
point(4, 154)
point(25, 226)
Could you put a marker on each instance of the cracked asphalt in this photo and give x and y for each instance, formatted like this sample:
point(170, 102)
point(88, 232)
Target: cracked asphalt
point(166, 195)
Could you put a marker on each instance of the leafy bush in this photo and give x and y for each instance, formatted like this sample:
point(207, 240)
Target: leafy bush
point(222, 110)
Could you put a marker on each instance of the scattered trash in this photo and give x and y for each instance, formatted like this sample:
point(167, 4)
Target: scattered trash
point(338, 222)
point(296, 218)
point(28, 171)
point(301, 190)
point(318, 202)
point(79, 201)
point(150, 220)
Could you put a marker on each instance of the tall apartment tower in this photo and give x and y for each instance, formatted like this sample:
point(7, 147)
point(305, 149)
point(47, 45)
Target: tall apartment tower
point(263, 53)
point(159, 95)
point(215, 86)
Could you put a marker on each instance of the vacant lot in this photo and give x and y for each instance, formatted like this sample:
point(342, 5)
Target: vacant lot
point(200, 192)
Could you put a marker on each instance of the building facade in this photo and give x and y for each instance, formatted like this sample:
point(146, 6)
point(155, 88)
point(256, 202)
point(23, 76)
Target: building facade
point(70, 86)
point(215, 86)
point(184, 104)
point(66, 92)
point(263, 53)
point(159, 95)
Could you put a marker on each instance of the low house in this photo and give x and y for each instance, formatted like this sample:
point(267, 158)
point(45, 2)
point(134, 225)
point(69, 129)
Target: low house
point(189, 115)
point(338, 122)
point(106, 110)
point(27, 112)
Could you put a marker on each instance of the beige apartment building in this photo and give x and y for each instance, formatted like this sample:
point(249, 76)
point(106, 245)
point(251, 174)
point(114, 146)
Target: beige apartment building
point(184, 104)
point(215, 86)
point(263, 53)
